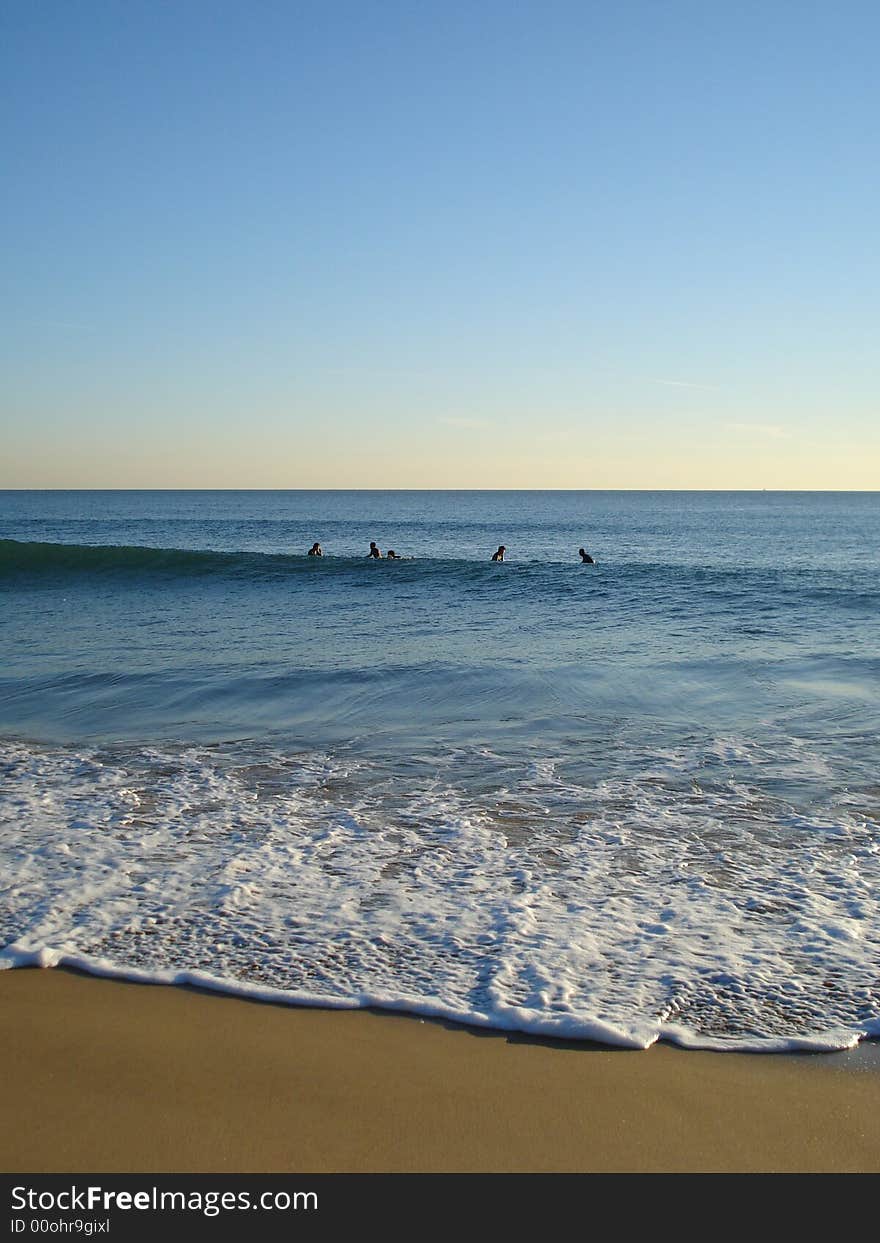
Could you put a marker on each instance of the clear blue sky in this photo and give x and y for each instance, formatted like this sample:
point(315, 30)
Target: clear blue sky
point(440, 244)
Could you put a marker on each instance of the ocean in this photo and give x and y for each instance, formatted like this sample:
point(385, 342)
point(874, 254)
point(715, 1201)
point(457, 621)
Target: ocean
point(623, 802)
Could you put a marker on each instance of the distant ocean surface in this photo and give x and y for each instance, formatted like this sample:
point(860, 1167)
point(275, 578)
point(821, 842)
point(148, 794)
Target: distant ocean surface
point(627, 801)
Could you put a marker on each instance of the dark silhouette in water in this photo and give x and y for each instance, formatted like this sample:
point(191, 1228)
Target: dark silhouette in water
point(391, 555)
point(374, 551)
point(499, 555)
point(316, 550)
point(585, 557)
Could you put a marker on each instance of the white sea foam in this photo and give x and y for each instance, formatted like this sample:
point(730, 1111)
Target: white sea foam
point(677, 899)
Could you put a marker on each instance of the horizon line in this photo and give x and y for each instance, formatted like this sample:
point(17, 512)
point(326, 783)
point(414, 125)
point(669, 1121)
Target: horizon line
point(698, 491)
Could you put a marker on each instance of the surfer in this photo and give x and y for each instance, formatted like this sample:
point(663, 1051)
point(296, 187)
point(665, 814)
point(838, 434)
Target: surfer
point(585, 557)
point(374, 551)
point(391, 555)
point(499, 555)
point(316, 550)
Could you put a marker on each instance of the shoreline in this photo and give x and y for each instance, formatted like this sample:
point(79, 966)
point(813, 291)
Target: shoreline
point(125, 1077)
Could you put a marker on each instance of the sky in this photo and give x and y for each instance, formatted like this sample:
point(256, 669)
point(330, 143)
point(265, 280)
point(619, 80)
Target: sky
point(279, 243)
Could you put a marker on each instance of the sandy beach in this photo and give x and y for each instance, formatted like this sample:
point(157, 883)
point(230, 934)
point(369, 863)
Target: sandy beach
point(117, 1077)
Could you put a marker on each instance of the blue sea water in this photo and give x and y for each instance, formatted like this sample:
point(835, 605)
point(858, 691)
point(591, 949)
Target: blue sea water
point(627, 801)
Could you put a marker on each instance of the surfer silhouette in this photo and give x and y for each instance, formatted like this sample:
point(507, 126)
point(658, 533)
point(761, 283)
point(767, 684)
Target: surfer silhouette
point(499, 555)
point(316, 550)
point(585, 557)
point(374, 551)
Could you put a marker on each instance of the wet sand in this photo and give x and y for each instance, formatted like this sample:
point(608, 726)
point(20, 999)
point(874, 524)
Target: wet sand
point(107, 1076)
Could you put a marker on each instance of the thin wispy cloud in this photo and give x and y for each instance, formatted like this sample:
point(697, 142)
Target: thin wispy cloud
point(712, 388)
point(561, 436)
point(455, 422)
point(67, 324)
point(772, 430)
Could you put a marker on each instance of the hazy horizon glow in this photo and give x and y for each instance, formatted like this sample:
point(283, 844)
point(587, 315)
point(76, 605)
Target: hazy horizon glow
point(352, 245)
